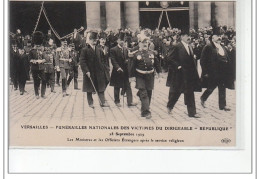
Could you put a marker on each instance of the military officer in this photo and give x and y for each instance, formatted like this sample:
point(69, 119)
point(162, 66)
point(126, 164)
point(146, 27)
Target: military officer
point(37, 64)
point(74, 67)
point(49, 70)
point(145, 65)
point(62, 62)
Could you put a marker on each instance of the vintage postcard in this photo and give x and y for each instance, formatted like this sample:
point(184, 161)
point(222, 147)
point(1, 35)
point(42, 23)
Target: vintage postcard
point(123, 74)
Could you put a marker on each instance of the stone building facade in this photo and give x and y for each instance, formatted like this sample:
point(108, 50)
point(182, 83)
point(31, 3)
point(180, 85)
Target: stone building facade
point(126, 14)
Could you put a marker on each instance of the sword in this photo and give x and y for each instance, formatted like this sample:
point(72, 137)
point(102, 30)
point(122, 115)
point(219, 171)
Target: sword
point(95, 90)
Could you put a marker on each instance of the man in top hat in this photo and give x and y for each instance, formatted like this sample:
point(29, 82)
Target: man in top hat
point(94, 70)
point(145, 64)
point(216, 70)
point(74, 67)
point(22, 69)
point(104, 54)
point(120, 75)
point(184, 77)
point(37, 64)
point(62, 64)
point(13, 64)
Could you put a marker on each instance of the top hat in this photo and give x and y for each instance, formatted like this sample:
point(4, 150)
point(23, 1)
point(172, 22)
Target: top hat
point(121, 36)
point(217, 31)
point(185, 32)
point(93, 35)
point(102, 35)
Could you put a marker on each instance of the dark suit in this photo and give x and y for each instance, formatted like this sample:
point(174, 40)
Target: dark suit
point(74, 68)
point(91, 61)
point(23, 67)
point(219, 73)
point(184, 80)
point(119, 59)
point(14, 55)
point(76, 41)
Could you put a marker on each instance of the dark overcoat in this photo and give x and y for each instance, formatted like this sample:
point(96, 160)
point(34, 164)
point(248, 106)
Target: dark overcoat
point(23, 67)
point(185, 79)
point(212, 66)
point(75, 58)
point(119, 59)
point(13, 63)
point(91, 61)
point(77, 41)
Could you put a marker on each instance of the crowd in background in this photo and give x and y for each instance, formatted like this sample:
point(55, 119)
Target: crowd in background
point(161, 42)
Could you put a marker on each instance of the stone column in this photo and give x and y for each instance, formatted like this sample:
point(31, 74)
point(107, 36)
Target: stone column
point(113, 15)
point(231, 14)
point(221, 13)
point(132, 14)
point(193, 13)
point(93, 15)
point(204, 14)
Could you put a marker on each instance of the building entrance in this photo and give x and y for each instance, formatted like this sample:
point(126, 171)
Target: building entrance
point(178, 19)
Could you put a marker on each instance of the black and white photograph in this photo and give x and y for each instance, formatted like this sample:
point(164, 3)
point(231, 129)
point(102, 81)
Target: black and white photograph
point(122, 74)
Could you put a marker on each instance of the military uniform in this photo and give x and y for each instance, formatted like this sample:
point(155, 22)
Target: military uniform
point(145, 64)
point(74, 68)
point(49, 70)
point(62, 62)
point(37, 68)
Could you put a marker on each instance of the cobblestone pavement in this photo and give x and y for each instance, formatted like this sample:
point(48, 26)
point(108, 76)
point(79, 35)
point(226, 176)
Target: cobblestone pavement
point(74, 108)
point(56, 111)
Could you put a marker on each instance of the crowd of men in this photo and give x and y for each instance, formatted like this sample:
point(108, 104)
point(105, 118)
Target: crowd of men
point(142, 54)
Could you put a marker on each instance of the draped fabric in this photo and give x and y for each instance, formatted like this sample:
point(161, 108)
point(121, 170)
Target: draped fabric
point(64, 16)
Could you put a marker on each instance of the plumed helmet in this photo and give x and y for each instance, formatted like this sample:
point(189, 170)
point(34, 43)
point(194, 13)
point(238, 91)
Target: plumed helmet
point(38, 38)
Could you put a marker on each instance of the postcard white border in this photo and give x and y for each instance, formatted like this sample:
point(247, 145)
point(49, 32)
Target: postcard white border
point(150, 161)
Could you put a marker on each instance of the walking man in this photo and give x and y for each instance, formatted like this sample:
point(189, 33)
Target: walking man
point(37, 64)
point(62, 62)
point(120, 76)
point(216, 71)
point(94, 70)
point(145, 63)
point(185, 78)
